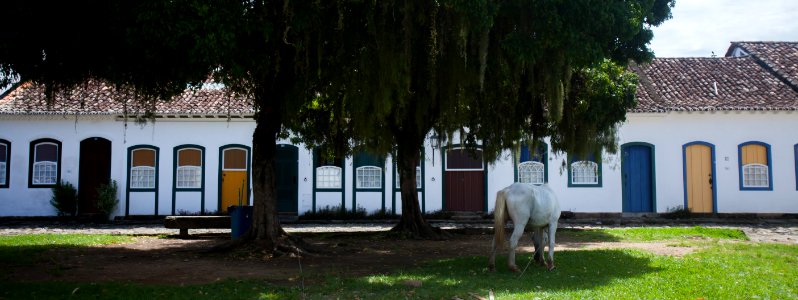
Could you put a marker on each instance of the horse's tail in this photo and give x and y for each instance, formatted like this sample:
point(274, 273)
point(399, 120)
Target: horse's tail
point(499, 218)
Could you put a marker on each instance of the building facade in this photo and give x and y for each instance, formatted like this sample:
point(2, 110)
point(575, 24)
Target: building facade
point(716, 135)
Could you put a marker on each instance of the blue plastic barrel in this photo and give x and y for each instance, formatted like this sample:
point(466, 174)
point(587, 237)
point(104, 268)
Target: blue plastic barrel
point(240, 220)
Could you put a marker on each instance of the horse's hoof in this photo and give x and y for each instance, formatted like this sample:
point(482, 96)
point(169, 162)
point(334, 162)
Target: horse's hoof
point(550, 266)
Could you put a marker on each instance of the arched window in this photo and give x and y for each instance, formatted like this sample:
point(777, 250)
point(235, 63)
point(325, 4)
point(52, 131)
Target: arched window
point(531, 172)
point(189, 168)
point(142, 168)
point(532, 165)
point(754, 163)
point(5, 149)
point(45, 160)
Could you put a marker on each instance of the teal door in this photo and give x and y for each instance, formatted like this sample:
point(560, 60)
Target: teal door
point(285, 168)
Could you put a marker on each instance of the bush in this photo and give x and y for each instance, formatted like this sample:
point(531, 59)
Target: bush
point(65, 199)
point(678, 212)
point(107, 200)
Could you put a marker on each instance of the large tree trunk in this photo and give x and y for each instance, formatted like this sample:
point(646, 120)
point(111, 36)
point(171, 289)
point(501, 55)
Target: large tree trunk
point(412, 222)
point(266, 231)
point(266, 228)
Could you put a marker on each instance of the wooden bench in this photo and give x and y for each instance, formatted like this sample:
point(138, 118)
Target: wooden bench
point(184, 223)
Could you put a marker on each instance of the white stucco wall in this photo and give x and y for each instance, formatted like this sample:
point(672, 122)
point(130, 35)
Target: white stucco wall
point(667, 132)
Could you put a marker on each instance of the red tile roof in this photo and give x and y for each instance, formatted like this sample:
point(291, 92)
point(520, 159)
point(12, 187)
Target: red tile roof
point(95, 98)
point(707, 84)
point(781, 57)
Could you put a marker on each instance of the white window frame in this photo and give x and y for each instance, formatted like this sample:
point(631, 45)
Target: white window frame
point(581, 169)
point(189, 177)
point(142, 177)
point(446, 162)
point(755, 170)
point(328, 177)
point(529, 170)
point(368, 177)
point(44, 172)
point(418, 178)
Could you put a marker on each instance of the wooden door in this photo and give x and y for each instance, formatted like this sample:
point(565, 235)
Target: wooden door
point(699, 179)
point(235, 187)
point(465, 181)
point(638, 179)
point(94, 171)
point(286, 172)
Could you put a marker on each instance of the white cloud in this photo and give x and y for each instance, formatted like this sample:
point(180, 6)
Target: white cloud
point(699, 27)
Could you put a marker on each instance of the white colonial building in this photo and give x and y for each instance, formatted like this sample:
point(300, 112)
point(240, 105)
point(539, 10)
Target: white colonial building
point(717, 135)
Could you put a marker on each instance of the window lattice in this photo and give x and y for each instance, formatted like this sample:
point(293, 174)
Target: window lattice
point(755, 175)
point(369, 177)
point(584, 172)
point(45, 172)
point(328, 177)
point(142, 177)
point(531, 172)
point(189, 177)
point(3, 173)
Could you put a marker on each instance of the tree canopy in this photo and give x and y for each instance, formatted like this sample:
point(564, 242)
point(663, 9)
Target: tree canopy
point(376, 73)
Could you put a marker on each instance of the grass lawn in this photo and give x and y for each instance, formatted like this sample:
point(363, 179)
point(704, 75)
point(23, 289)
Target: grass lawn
point(724, 267)
point(22, 249)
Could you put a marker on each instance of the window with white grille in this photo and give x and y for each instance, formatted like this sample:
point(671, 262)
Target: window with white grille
point(328, 177)
point(368, 177)
point(45, 164)
point(142, 177)
point(531, 172)
point(3, 173)
point(189, 168)
point(189, 177)
point(755, 175)
point(142, 169)
point(584, 172)
point(4, 163)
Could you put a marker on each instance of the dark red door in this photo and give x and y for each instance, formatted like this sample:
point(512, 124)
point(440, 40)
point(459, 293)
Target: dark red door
point(465, 180)
point(95, 170)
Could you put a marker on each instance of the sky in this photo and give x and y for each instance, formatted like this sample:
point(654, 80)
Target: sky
point(699, 27)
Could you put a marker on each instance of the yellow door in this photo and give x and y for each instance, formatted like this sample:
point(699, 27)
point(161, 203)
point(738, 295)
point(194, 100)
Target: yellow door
point(234, 178)
point(699, 178)
point(234, 187)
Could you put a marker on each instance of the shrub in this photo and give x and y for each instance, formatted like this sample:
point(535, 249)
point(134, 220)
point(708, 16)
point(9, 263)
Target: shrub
point(678, 212)
point(107, 200)
point(65, 199)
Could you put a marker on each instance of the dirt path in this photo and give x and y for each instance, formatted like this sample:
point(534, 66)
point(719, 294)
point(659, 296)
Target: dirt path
point(348, 249)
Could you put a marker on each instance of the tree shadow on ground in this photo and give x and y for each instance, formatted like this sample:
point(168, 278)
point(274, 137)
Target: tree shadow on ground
point(576, 270)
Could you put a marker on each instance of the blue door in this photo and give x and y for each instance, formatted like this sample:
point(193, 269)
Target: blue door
point(637, 166)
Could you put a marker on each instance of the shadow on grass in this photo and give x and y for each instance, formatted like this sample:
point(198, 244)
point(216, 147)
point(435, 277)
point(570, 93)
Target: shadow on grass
point(576, 270)
point(585, 235)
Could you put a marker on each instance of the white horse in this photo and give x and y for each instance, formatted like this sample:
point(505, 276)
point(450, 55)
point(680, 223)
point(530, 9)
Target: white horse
point(536, 206)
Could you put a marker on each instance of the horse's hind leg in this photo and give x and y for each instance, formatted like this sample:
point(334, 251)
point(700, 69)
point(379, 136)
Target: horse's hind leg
point(518, 231)
point(540, 242)
point(552, 233)
point(492, 259)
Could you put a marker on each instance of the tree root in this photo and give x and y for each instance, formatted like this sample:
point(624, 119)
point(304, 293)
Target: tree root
point(420, 230)
point(285, 244)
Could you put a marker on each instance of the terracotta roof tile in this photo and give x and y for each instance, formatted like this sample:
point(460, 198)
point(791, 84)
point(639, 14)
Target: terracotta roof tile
point(95, 98)
point(781, 57)
point(704, 84)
